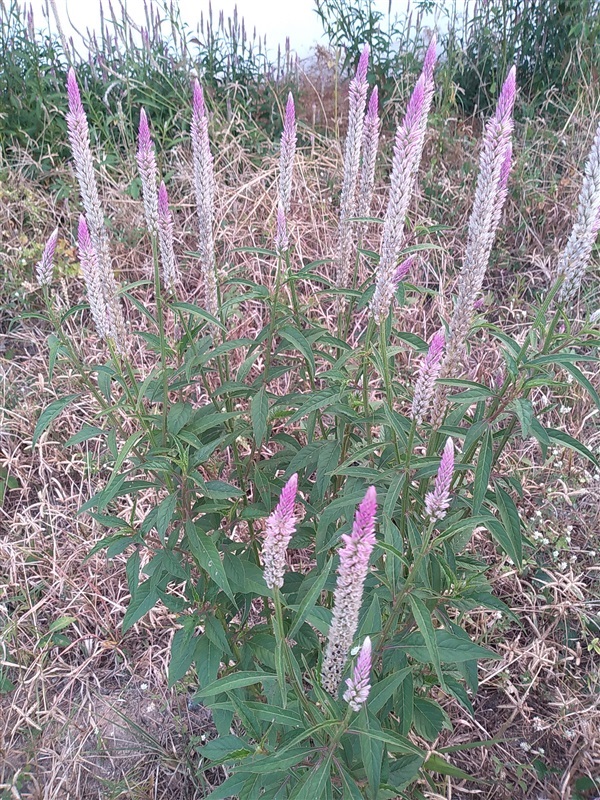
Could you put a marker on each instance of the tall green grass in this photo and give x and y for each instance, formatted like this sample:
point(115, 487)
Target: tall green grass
point(126, 65)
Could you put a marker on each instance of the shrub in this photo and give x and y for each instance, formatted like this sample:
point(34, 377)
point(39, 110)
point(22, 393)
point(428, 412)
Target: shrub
point(308, 514)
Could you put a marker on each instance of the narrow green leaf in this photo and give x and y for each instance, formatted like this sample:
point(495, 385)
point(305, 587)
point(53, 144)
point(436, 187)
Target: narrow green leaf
point(183, 650)
point(259, 411)
point(512, 523)
point(383, 690)
point(178, 417)
point(198, 312)
point(87, 432)
point(164, 514)
point(502, 536)
point(423, 619)
point(583, 381)
point(482, 471)
point(371, 751)
point(436, 763)
point(238, 680)
point(314, 402)
point(313, 783)
point(297, 339)
point(394, 741)
point(309, 600)
point(560, 437)
point(49, 414)
point(524, 411)
point(452, 648)
point(205, 551)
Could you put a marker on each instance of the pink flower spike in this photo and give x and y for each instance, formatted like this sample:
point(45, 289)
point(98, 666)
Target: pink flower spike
point(286, 156)
point(198, 104)
point(437, 501)
point(92, 275)
point(281, 237)
point(373, 107)
point(363, 65)
point(430, 58)
point(146, 161)
point(414, 109)
point(144, 140)
point(163, 200)
point(45, 266)
point(348, 595)
point(170, 270)
point(290, 114)
point(75, 104)
point(403, 269)
point(280, 528)
point(83, 234)
point(429, 372)
point(506, 101)
point(358, 685)
point(505, 169)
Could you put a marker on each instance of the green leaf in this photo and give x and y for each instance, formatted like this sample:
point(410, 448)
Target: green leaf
point(183, 650)
point(560, 437)
point(238, 680)
point(501, 535)
point(295, 338)
point(198, 312)
point(164, 514)
point(259, 410)
point(429, 718)
point(312, 784)
point(87, 432)
point(452, 649)
point(383, 690)
point(178, 417)
point(482, 471)
point(49, 414)
point(512, 523)
point(436, 763)
point(524, 411)
point(205, 552)
point(394, 741)
point(371, 751)
point(270, 713)
point(220, 490)
point(146, 596)
point(278, 761)
point(225, 748)
point(583, 381)
point(314, 402)
point(404, 769)
point(423, 620)
point(308, 602)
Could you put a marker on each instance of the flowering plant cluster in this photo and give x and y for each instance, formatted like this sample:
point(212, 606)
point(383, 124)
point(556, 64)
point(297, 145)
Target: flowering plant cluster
point(312, 544)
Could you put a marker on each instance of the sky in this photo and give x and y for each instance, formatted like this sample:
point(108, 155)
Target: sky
point(276, 19)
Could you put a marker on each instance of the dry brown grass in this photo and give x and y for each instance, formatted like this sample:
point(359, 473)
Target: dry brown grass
point(91, 714)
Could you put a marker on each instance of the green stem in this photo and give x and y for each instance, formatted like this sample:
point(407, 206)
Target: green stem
point(160, 322)
point(387, 381)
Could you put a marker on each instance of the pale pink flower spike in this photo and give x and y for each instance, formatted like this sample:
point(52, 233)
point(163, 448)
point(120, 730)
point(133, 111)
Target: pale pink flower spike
point(438, 501)
point(280, 528)
point(359, 684)
point(348, 594)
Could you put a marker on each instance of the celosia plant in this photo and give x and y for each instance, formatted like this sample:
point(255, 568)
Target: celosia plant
point(249, 487)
